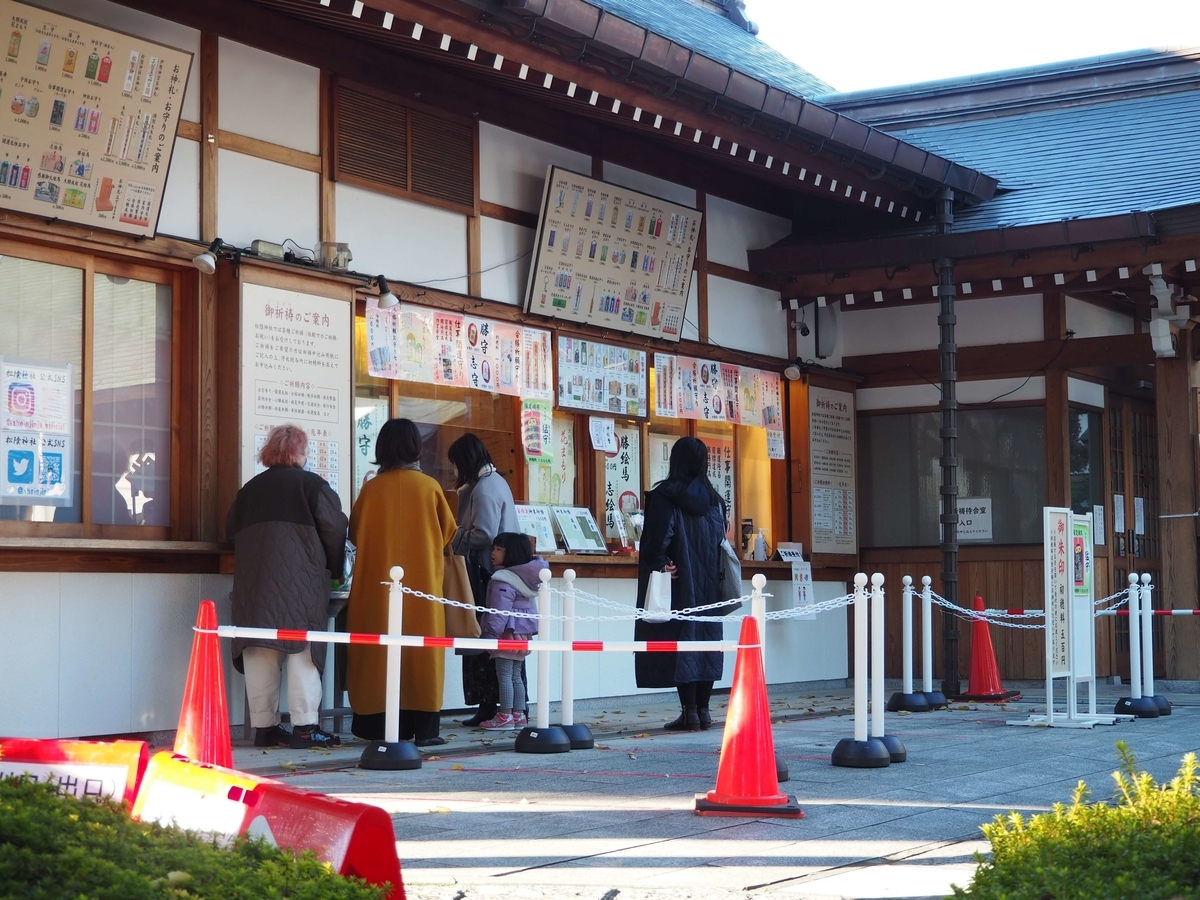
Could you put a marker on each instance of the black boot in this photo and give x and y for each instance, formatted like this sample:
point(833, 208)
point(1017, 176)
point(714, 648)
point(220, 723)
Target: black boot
point(705, 718)
point(688, 720)
point(485, 712)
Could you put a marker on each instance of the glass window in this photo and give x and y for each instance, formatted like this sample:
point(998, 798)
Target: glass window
point(753, 467)
point(41, 321)
point(131, 402)
point(1002, 456)
point(721, 469)
point(1087, 459)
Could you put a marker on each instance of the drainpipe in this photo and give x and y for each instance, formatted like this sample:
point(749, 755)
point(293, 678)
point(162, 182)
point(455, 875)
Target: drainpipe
point(947, 355)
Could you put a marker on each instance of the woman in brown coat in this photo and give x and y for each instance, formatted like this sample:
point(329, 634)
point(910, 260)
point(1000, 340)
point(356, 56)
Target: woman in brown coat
point(401, 518)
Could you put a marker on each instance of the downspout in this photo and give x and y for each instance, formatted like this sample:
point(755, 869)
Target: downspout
point(947, 355)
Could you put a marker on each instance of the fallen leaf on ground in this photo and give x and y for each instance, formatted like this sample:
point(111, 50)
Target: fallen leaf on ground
point(643, 734)
point(291, 765)
point(439, 809)
point(458, 767)
point(603, 747)
point(632, 756)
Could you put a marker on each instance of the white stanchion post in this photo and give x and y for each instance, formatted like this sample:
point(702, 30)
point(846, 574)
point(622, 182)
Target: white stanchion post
point(926, 634)
point(543, 679)
point(860, 657)
point(877, 655)
point(758, 609)
point(542, 737)
point(1135, 645)
point(568, 657)
point(906, 632)
point(1147, 636)
point(862, 752)
point(391, 720)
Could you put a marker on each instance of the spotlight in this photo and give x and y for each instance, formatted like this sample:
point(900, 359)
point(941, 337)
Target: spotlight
point(792, 372)
point(386, 298)
point(206, 262)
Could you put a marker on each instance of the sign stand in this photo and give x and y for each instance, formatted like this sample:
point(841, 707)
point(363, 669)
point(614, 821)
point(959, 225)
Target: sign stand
point(1070, 623)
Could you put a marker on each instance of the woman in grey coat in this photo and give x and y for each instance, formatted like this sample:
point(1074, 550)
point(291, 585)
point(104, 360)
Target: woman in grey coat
point(485, 509)
point(289, 538)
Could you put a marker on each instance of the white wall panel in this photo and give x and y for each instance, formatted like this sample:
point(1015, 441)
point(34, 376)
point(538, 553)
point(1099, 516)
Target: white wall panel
point(29, 682)
point(506, 254)
point(745, 317)
point(733, 229)
point(268, 97)
point(180, 215)
point(403, 240)
point(981, 323)
point(1089, 320)
point(1088, 393)
point(95, 653)
point(164, 611)
point(120, 18)
point(649, 184)
point(918, 396)
point(512, 167)
point(257, 198)
point(691, 317)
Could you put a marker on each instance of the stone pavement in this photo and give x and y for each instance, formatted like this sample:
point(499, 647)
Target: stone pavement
point(480, 821)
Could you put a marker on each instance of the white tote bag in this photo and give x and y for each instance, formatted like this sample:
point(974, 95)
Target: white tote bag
point(658, 598)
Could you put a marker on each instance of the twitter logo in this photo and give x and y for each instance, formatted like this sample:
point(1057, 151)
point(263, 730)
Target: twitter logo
point(20, 467)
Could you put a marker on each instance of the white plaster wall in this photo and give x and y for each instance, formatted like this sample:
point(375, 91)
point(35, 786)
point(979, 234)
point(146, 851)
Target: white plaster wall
point(506, 253)
point(268, 97)
point(649, 184)
point(917, 396)
point(982, 322)
point(257, 198)
point(691, 326)
point(733, 229)
point(512, 167)
point(94, 654)
point(1089, 393)
point(745, 317)
point(403, 240)
point(180, 214)
point(1089, 320)
point(120, 18)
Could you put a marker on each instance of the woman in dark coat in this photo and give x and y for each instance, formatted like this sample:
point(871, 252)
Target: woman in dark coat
point(289, 539)
point(682, 534)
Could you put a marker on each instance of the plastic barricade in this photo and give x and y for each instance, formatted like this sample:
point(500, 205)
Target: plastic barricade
point(95, 769)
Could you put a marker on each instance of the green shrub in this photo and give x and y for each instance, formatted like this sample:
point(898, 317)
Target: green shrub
point(54, 846)
point(1144, 845)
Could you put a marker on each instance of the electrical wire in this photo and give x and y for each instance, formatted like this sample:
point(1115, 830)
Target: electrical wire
point(480, 272)
point(1041, 371)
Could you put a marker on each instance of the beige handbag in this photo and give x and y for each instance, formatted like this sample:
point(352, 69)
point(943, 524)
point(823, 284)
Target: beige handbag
point(456, 585)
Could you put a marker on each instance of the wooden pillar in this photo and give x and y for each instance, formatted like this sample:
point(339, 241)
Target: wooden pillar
point(1175, 402)
point(1058, 458)
point(209, 129)
point(702, 269)
point(212, 517)
point(327, 201)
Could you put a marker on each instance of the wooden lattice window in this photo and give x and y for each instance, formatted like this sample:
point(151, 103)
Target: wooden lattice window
point(400, 148)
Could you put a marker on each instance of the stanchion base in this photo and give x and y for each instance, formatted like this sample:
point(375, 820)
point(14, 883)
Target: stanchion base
point(580, 736)
point(1142, 707)
point(895, 747)
point(543, 740)
point(908, 703)
point(789, 810)
point(391, 757)
point(1163, 704)
point(781, 769)
point(868, 754)
point(935, 699)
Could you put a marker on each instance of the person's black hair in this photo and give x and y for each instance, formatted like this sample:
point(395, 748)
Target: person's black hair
point(398, 444)
point(516, 547)
point(689, 462)
point(469, 455)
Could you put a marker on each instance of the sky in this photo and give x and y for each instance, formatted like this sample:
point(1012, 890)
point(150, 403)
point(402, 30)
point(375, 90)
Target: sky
point(859, 44)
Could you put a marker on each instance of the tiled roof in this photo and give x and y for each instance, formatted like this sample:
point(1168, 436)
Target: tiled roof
point(715, 36)
point(1099, 159)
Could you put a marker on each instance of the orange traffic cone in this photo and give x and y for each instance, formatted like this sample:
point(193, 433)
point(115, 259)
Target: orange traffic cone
point(203, 734)
point(746, 781)
point(985, 683)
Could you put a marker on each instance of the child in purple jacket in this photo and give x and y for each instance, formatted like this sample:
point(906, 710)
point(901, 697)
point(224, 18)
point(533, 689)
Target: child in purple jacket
point(513, 589)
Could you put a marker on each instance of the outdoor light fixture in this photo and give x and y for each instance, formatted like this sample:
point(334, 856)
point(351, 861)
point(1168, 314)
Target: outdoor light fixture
point(206, 262)
point(792, 372)
point(386, 298)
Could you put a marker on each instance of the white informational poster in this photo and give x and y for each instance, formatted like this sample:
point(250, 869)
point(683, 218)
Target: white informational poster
point(603, 432)
point(1098, 521)
point(297, 368)
point(537, 437)
point(1139, 515)
point(553, 482)
point(659, 458)
point(802, 588)
point(776, 448)
point(382, 341)
point(369, 415)
point(93, 119)
point(720, 473)
point(1119, 514)
point(535, 520)
point(37, 433)
point(974, 519)
point(1059, 568)
point(602, 378)
point(665, 398)
point(579, 530)
point(622, 479)
point(611, 256)
point(832, 477)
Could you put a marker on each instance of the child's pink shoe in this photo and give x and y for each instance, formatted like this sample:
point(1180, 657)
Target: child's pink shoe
point(519, 720)
point(498, 722)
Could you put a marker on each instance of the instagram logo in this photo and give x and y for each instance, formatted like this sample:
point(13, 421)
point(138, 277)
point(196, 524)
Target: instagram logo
point(20, 399)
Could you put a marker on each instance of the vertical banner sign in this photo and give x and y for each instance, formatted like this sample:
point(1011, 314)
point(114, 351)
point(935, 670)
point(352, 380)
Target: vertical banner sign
point(712, 391)
point(687, 387)
point(536, 369)
point(802, 588)
point(666, 399)
point(449, 356)
point(731, 378)
point(37, 433)
point(414, 350)
point(832, 477)
point(369, 415)
point(1083, 656)
point(297, 368)
point(536, 431)
point(508, 340)
point(622, 480)
point(382, 339)
point(720, 473)
point(660, 456)
point(1059, 568)
point(480, 363)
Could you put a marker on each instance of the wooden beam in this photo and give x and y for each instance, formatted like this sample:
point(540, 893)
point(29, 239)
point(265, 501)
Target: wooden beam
point(508, 214)
point(1004, 360)
point(209, 129)
point(474, 257)
point(1058, 449)
point(701, 270)
point(327, 200)
point(288, 156)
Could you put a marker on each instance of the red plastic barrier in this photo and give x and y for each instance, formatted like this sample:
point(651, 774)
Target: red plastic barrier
point(83, 768)
point(354, 838)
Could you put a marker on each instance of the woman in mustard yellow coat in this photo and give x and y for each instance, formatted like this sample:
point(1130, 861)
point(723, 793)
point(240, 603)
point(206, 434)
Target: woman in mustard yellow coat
point(401, 518)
